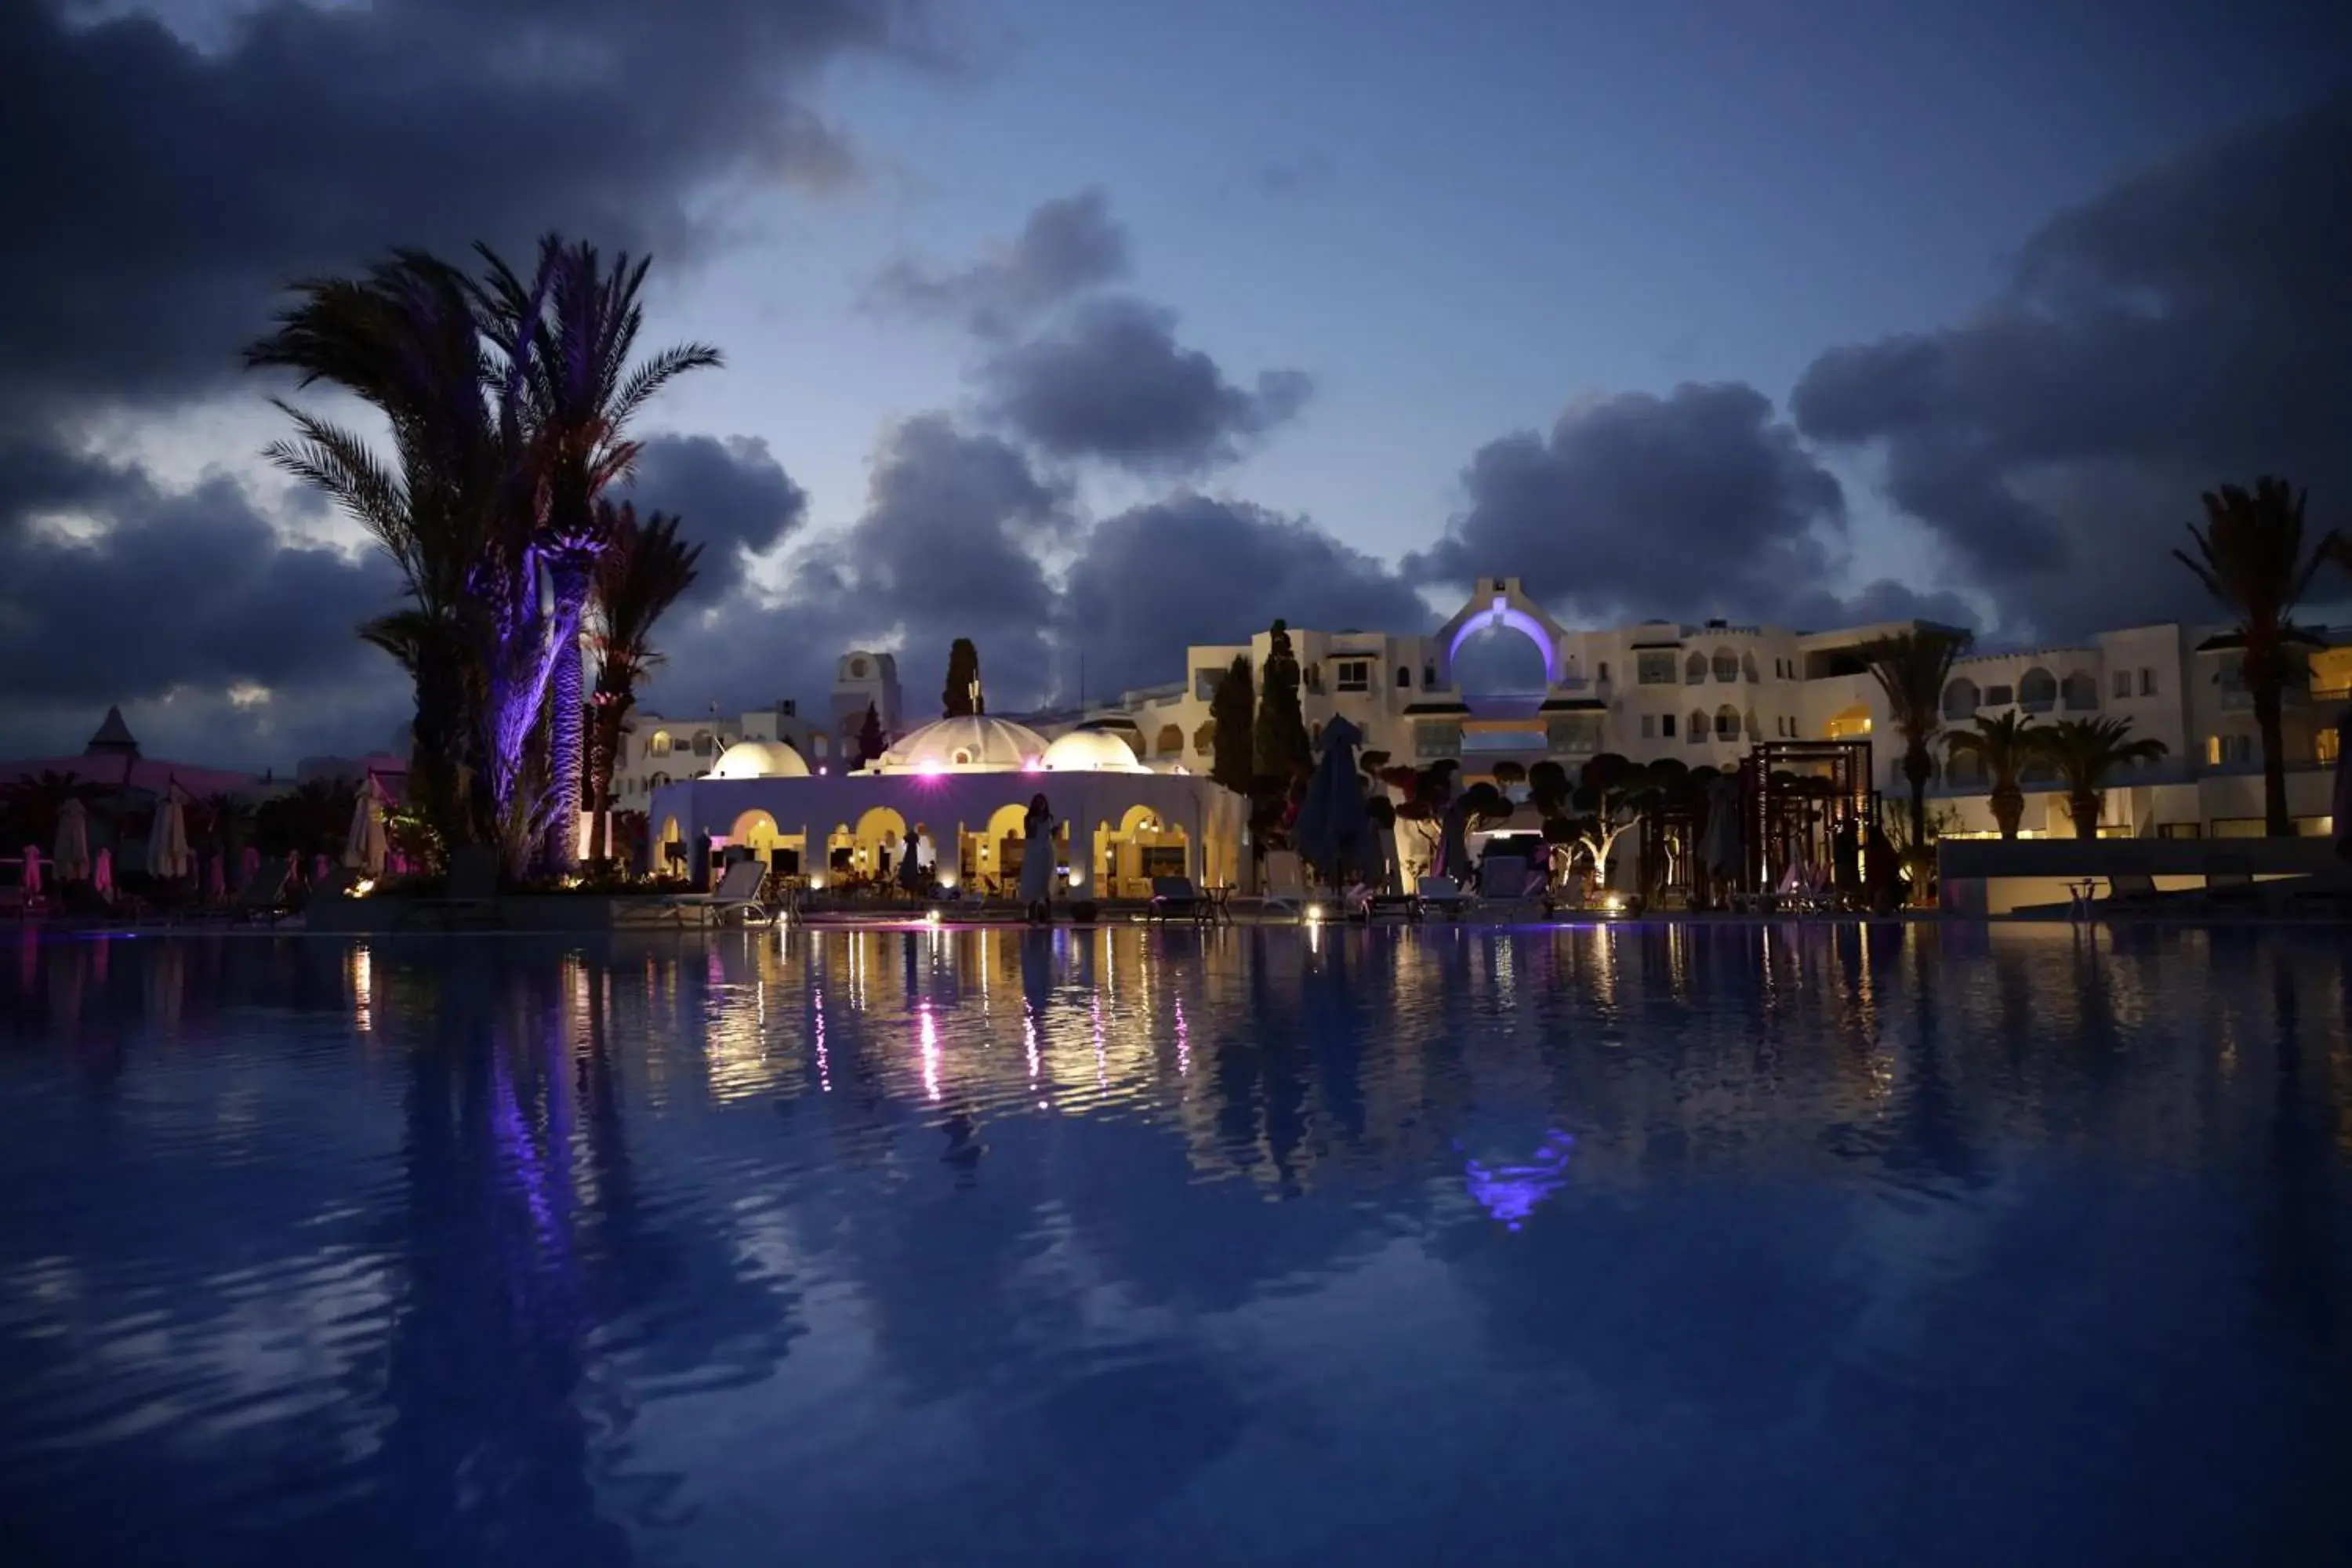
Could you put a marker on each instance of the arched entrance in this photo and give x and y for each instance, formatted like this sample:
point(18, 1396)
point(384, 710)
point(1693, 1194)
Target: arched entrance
point(1499, 604)
point(1141, 846)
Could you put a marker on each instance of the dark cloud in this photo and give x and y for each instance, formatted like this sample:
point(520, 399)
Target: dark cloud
point(2187, 327)
point(181, 188)
point(1068, 246)
point(1113, 383)
point(1193, 570)
point(947, 546)
point(735, 498)
point(1698, 503)
point(1820, 609)
point(222, 643)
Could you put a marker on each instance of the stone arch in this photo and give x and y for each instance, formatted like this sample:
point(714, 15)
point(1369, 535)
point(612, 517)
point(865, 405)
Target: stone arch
point(1499, 602)
point(1695, 668)
point(1205, 739)
point(1726, 664)
point(1962, 698)
point(1696, 728)
point(659, 745)
point(2037, 692)
point(756, 830)
point(1727, 720)
point(2079, 693)
point(1171, 742)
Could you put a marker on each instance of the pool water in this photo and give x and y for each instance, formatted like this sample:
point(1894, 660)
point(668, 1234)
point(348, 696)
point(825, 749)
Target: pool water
point(1635, 1244)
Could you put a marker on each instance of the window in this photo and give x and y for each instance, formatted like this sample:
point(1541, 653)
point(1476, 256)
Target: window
point(1666, 726)
point(2148, 682)
point(2227, 751)
point(1655, 668)
point(856, 669)
point(1748, 669)
point(1404, 678)
point(1171, 740)
point(1315, 676)
point(659, 746)
point(1354, 674)
point(1961, 699)
point(1695, 668)
point(1649, 728)
point(2037, 692)
point(2079, 693)
point(1205, 683)
point(1697, 730)
point(2328, 745)
point(2175, 829)
point(2122, 683)
point(703, 744)
point(1204, 740)
point(1999, 695)
point(1605, 670)
point(1727, 722)
point(1727, 666)
point(1428, 676)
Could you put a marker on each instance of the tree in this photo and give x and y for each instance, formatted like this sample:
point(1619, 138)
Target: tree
point(1232, 712)
point(29, 805)
point(2085, 751)
point(2251, 557)
point(1426, 793)
point(1912, 668)
point(871, 742)
point(961, 698)
point(1509, 776)
point(580, 392)
point(1611, 795)
point(1279, 745)
point(2006, 745)
point(645, 569)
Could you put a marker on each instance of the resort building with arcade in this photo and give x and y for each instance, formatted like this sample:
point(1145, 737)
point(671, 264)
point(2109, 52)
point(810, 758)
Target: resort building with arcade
point(1129, 778)
point(1709, 693)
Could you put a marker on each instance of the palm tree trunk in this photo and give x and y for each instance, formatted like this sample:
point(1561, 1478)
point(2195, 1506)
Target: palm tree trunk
point(566, 721)
point(604, 754)
point(1917, 768)
point(2276, 823)
point(2008, 810)
point(2084, 806)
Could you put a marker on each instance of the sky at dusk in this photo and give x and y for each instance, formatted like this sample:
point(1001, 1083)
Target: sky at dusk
point(1091, 330)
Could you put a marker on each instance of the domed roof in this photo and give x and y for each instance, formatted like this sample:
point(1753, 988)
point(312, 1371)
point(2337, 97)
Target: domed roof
point(973, 743)
point(760, 759)
point(1092, 752)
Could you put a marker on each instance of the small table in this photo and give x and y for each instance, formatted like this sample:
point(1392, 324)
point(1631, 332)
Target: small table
point(1216, 906)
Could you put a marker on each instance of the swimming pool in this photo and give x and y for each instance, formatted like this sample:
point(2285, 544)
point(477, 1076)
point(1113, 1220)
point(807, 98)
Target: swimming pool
point(1633, 1245)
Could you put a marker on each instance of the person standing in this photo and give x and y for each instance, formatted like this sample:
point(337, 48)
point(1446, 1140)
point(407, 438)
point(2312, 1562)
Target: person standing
point(1037, 862)
point(911, 863)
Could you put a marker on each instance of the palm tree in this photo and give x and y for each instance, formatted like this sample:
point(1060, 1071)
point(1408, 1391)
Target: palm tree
point(2005, 745)
point(29, 803)
point(645, 569)
point(2085, 751)
point(1912, 668)
point(2251, 557)
point(580, 392)
point(404, 339)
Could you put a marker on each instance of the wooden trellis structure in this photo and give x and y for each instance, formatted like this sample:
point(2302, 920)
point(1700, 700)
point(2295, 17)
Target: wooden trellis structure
point(1799, 795)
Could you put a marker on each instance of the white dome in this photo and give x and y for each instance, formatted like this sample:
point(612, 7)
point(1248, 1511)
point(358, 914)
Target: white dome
point(976, 743)
point(1092, 752)
point(758, 760)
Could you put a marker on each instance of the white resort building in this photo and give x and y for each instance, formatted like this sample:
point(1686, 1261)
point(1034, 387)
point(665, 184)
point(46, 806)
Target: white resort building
point(1129, 778)
point(1706, 694)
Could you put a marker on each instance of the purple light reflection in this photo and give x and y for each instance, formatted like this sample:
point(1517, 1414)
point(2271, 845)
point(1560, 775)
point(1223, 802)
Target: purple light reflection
point(1510, 1193)
point(1520, 621)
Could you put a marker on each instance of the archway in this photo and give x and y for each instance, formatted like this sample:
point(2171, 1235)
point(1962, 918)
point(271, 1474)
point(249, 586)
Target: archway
point(1496, 607)
point(879, 830)
point(756, 831)
point(1142, 844)
point(1850, 724)
point(1492, 660)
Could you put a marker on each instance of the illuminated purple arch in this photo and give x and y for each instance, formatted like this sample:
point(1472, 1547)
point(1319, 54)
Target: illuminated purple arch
point(1520, 621)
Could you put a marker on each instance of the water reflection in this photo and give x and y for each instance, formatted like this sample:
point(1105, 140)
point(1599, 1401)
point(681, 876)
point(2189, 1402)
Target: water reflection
point(1052, 1246)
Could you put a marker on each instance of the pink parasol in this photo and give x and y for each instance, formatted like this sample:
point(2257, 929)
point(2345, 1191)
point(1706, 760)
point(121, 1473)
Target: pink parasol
point(101, 873)
point(249, 864)
point(320, 866)
point(32, 870)
point(216, 876)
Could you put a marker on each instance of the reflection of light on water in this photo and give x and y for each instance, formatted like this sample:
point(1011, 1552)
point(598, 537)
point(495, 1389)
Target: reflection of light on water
point(1102, 1069)
point(1510, 1193)
point(362, 990)
point(824, 1062)
point(1183, 1040)
point(931, 1053)
point(1029, 1037)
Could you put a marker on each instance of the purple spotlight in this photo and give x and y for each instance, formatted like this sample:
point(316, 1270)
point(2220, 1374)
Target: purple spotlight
point(1510, 1193)
point(1520, 621)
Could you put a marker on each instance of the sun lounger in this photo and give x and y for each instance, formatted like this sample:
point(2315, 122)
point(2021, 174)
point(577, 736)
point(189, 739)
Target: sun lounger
point(1396, 906)
point(1442, 894)
point(1174, 899)
point(1285, 882)
point(738, 893)
point(265, 896)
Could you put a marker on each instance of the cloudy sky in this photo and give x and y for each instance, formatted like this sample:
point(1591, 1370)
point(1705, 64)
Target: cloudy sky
point(1087, 328)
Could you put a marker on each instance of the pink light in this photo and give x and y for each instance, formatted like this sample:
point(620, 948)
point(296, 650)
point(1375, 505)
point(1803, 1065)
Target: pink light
point(1034, 765)
point(932, 766)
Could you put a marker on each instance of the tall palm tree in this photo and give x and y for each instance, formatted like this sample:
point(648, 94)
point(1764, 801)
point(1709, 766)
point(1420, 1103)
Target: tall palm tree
point(581, 393)
point(2085, 751)
point(645, 569)
point(29, 803)
point(1912, 668)
point(2005, 745)
point(2251, 557)
point(405, 338)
